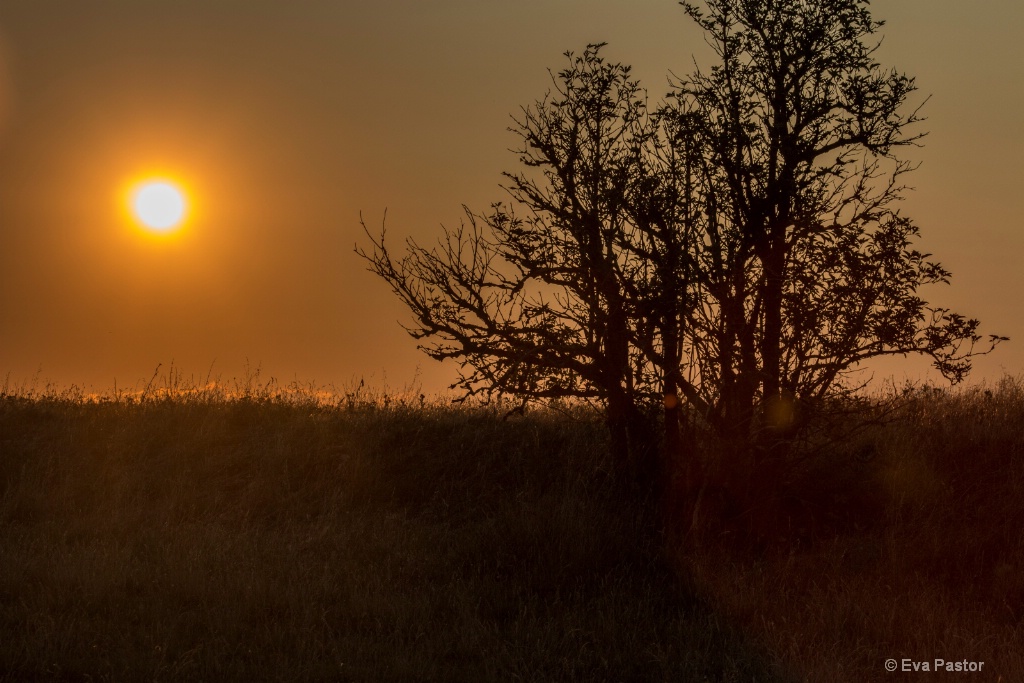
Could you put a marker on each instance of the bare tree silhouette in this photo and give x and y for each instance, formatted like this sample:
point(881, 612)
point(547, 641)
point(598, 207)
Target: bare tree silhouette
point(735, 252)
point(542, 305)
point(805, 266)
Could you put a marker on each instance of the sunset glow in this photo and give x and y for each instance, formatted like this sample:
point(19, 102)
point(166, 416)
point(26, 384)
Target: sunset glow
point(280, 126)
point(581, 340)
point(158, 205)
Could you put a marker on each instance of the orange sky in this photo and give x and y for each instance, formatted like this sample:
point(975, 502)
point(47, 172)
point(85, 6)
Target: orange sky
point(284, 120)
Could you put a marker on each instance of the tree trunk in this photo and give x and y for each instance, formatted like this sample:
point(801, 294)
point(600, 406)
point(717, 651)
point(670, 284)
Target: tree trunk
point(771, 341)
point(632, 444)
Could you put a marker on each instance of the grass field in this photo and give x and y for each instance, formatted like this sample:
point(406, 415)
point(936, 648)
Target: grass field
point(195, 536)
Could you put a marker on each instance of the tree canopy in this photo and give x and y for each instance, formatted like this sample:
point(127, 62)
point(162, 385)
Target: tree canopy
point(735, 252)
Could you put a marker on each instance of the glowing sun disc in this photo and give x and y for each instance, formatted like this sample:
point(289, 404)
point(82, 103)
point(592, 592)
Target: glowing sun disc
point(159, 205)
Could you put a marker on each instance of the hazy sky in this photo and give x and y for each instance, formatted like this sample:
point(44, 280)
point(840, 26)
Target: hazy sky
point(284, 120)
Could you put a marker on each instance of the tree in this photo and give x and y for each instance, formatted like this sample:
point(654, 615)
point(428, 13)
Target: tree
point(733, 254)
point(537, 306)
point(806, 267)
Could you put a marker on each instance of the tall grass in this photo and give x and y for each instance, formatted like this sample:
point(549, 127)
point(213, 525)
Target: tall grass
point(182, 533)
point(266, 535)
point(916, 552)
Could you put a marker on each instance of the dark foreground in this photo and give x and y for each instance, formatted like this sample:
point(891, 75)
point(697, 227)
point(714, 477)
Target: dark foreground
point(200, 538)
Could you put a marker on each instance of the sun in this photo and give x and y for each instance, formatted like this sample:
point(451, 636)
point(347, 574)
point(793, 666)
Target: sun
point(159, 205)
